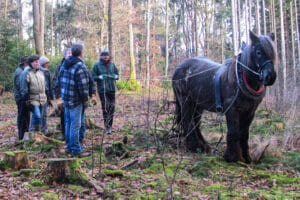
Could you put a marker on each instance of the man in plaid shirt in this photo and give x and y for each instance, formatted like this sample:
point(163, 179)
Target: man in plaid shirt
point(74, 84)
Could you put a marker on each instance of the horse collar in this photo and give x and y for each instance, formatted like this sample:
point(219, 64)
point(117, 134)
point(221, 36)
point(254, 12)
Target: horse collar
point(243, 82)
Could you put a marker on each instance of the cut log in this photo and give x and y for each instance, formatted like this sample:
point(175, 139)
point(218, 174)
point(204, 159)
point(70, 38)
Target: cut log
point(65, 170)
point(17, 159)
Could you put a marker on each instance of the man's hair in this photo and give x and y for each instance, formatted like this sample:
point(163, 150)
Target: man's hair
point(32, 58)
point(76, 49)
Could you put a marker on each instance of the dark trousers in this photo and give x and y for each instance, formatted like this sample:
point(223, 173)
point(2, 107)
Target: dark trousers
point(23, 118)
point(62, 123)
point(108, 107)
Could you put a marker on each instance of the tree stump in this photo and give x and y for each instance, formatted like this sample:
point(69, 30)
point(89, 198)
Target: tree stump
point(65, 170)
point(17, 159)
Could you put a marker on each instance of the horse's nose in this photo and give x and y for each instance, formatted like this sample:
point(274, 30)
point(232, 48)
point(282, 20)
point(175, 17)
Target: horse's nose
point(269, 77)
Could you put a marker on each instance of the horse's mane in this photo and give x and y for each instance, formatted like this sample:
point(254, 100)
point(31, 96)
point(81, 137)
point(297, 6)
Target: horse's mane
point(269, 47)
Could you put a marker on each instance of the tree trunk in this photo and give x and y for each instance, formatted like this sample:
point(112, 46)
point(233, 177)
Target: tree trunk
point(52, 28)
point(283, 49)
point(247, 22)
point(234, 27)
point(19, 20)
point(109, 25)
point(131, 45)
point(38, 25)
point(264, 16)
point(6, 9)
point(148, 43)
point(297, 29)
point(258, 31)
point(293, 42)
point(101, 24)
point(167, 39)
point(250, 18)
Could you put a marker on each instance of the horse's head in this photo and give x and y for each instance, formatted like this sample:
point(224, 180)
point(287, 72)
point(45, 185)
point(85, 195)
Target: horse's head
point(264, 57)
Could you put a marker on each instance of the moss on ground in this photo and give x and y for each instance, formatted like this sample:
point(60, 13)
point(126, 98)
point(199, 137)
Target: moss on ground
point(50, 196)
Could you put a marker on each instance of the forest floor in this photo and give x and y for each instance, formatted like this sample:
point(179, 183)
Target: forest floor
point(147, 168)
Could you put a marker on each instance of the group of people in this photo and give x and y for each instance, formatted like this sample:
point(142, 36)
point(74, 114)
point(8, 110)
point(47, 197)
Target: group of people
point(74, 84)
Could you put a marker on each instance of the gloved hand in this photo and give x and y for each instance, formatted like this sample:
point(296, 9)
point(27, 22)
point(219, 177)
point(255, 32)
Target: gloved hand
point(115, 76)
point(102, 77)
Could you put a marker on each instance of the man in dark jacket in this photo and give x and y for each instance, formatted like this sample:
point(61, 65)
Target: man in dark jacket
point(106, 73)
point(23, 118)
point(74, 83)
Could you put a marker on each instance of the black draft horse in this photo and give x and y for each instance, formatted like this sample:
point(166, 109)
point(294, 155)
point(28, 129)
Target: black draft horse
point(234, 89)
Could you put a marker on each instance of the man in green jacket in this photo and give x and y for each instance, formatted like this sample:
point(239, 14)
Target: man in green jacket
point(105, 73)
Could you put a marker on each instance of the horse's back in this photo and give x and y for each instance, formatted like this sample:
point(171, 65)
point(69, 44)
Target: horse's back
point(193, 81)
point(195, 66)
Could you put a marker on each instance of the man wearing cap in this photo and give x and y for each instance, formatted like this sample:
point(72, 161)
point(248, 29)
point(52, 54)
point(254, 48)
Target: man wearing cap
point(23, 117)
point(33, 90)
point(105, 73)
point(74, 84)
point(44, 65)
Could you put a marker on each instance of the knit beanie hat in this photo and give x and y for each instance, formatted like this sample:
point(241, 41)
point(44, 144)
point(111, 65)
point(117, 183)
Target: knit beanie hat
point(43, 60)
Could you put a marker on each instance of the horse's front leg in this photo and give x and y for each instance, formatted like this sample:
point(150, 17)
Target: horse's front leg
point(233, 152)
point(244, 136)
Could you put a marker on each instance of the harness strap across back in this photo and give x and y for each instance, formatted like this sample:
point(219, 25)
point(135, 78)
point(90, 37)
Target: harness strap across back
point(219, 106)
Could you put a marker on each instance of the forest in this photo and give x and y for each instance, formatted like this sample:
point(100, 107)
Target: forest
point(144, 157)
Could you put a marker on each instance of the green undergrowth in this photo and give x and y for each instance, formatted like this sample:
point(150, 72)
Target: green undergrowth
point(267, 122)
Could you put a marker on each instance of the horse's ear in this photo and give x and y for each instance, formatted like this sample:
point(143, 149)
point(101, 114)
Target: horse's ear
point(254, 38)
point(272, 36)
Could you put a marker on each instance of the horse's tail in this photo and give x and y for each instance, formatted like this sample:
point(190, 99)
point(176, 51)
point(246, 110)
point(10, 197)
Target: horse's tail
point(177, 111)
point(177, 117)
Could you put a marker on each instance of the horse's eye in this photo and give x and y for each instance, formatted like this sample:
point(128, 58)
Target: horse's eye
point(258, 53)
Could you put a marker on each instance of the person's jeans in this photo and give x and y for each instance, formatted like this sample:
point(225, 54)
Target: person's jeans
point(37, 113)
point(23, 118)
point(72, 127)
point(44, 127)
point(82, 127)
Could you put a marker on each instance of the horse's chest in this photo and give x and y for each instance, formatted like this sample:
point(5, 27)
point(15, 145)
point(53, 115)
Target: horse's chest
point(243, 105)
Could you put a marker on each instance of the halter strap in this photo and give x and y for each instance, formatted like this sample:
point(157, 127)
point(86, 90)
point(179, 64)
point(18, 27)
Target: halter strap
point(243, 83)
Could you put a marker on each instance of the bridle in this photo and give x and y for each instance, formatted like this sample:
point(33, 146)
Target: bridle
point(242, 80)
point(259, 74)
